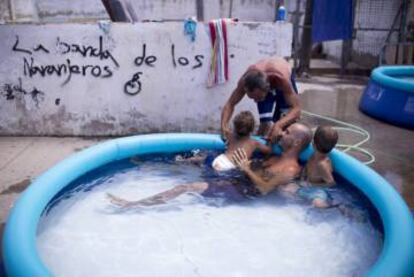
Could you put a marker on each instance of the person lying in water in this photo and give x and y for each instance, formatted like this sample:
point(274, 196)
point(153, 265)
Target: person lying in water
point(244, 125)
point(317, 173)
point(276, 171)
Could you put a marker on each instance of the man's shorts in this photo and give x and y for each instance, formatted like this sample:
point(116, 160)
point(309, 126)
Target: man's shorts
point(230, 190)
point(274, 106)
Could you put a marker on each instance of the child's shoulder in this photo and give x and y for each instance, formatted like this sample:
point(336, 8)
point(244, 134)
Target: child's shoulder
point(325, 165)
point(254, 142)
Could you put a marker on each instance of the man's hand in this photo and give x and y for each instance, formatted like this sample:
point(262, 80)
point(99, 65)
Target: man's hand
point(239, 158)
point(225, 133)
point(275, 134)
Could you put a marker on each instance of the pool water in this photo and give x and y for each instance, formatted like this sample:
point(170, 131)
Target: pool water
point(82, 234)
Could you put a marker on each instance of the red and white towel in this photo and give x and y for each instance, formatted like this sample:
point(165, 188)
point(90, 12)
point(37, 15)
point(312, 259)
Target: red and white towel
point(219, 66)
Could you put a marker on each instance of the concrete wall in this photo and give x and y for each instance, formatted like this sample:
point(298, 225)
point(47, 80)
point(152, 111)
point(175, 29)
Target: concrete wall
point(162, 9)
point(369, 13)
point(77, 79)
point(18, 11)
point(250, 10)
point(73, 10)
point(54, 11)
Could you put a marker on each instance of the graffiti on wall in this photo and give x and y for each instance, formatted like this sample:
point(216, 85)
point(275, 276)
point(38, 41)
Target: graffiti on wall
point(133, 86)
point(86, 60)
point(17, 91)
point(66, 69)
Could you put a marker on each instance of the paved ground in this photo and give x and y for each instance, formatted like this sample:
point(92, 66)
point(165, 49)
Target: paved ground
point(24, 158)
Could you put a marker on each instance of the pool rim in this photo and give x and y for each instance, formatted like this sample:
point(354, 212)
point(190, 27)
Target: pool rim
point(21, 257)
point(385, 75)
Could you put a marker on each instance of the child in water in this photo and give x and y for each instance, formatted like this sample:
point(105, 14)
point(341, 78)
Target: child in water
point(317, 172)
point(243, 127)
point(243, 124)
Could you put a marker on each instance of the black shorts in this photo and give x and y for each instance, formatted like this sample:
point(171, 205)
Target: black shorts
point(230, 189)
point(274, 105)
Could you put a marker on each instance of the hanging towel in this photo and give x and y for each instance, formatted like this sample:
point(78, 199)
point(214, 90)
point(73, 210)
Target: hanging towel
point(219, 66)
point(190, 26)
point(331, 20)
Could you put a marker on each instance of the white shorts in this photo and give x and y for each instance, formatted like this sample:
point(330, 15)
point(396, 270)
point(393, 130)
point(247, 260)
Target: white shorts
point(223, 163)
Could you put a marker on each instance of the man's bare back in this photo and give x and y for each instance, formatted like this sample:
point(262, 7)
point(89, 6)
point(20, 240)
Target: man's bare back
point(274, 66)
point(248, 144)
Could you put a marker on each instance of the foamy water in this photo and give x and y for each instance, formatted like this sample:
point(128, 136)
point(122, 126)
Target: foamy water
point(86, 236)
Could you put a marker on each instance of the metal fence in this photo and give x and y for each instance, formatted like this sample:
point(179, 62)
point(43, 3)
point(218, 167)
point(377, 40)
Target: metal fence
point(382, 33)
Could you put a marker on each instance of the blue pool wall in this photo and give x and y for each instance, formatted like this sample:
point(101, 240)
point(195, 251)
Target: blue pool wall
point(19, 241)
point(390, 97)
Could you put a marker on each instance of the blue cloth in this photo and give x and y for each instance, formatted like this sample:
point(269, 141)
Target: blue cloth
point(190, 26)
point(274, 96)
point(331, 19)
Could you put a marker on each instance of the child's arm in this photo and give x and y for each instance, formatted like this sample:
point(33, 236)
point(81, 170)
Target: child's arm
point(326, 173)
point(265, 149)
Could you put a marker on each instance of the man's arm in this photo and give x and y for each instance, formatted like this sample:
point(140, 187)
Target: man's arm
point(228, 108)
point(292, 99)
point(263, 183)
point(264, 128)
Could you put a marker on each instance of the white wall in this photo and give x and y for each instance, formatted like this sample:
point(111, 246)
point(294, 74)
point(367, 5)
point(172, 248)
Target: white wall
point(54, 11)
point(162, 9)
point(249, 10)
point(74, 10)
point(18, 11)
point(91, 100)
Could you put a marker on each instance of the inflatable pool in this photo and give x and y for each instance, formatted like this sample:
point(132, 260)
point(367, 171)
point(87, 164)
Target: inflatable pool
point(19, 242)
point(389, 95)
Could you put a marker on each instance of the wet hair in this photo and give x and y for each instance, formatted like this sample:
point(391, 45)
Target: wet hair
point(243, 124)
point(256, 80)
point(325, 139)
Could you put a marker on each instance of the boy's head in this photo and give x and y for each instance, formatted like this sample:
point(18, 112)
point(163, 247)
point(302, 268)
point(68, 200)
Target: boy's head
point(325, 139)
point(243, 124)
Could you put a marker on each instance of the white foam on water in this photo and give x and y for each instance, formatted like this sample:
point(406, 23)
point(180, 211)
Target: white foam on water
point(85, 236)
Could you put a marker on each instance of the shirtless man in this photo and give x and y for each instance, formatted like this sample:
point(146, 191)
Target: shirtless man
point(267, 82)
point(276, 171)
point(280, 170)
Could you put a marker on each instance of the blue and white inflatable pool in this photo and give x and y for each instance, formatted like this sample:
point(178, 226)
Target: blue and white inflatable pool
point(19, 242)
point(389, 95)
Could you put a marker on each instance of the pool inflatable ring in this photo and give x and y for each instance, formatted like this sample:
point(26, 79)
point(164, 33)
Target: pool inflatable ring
point(19, 241)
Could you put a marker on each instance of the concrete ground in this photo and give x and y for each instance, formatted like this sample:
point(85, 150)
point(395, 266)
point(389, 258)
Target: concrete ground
point(24, 158)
